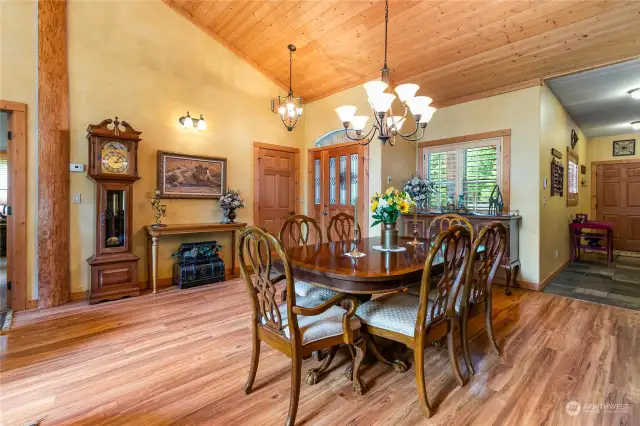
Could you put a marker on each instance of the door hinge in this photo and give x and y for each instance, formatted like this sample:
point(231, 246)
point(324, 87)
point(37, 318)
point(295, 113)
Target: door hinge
point(8, 285)
point(9, 135)
point(8, 210)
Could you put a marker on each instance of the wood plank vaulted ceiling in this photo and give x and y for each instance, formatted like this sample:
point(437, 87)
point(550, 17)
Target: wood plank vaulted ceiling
point(452, 48)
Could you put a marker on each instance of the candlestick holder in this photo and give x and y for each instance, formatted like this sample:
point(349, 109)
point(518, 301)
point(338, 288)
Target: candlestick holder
point(415, 241)
point(356, 237)
point(160, 210)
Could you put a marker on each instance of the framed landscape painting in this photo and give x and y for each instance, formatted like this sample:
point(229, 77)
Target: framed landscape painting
point(191, 176)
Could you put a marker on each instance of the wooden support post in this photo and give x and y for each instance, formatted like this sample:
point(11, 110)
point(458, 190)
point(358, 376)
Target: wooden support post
point(53, 154)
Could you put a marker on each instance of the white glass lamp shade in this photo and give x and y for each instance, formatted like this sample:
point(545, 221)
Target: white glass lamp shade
point(427, 114)
point(407, 91)
point(382, 102)
point(635, 93)
point(636, 125)
point(202, 125)
point(346, 113)
point(187, 122)
point(395, 122)
point(419, 104)
point(375, 87)
point(359, 121)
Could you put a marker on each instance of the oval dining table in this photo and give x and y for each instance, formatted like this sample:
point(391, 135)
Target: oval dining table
point(328, 265)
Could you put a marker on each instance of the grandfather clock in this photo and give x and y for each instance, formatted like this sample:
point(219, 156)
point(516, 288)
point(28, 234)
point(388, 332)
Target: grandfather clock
point(113, 166)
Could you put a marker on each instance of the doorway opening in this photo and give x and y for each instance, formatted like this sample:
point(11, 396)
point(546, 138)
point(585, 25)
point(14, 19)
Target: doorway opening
point(13, 206)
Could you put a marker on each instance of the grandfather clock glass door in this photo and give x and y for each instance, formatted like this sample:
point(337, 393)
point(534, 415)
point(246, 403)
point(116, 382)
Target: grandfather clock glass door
point(338, 178)
point(113, 212)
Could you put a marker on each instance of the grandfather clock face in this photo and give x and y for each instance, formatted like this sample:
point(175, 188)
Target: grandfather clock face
point(115, 157)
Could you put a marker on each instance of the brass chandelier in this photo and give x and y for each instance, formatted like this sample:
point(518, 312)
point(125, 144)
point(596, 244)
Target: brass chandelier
point(289, 107)
point(387, 125)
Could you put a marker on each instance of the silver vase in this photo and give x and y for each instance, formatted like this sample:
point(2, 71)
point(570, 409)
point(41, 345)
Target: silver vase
point(389, 236)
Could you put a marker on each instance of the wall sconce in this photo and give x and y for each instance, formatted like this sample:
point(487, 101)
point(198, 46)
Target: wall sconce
point(188, 122)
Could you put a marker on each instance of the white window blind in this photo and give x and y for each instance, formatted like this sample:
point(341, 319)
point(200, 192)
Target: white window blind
point(470, 168)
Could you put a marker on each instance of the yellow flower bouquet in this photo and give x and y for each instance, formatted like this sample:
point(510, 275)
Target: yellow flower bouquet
point(388, 206)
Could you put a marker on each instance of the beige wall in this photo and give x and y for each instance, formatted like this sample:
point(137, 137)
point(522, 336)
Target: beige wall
point(150, 76)
point(146, 64)
point(555, 215)
point(520, 112)
point(18, 83)
point(601, 149)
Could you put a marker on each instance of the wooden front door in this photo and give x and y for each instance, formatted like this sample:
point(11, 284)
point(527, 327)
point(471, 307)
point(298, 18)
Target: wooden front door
point(338, 179)
point(618, 202)
point(276, 183)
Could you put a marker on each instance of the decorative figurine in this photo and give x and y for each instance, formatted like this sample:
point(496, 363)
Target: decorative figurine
point(496, 202)
point(461, 203)
point(160, 209)
point(451, 204)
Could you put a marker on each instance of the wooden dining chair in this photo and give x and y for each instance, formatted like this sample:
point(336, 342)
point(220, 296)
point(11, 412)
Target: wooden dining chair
point(481, 273)
point(445, 221)
point(341, 228)
point(417, 321)
point(297, 327)
point(301, 230)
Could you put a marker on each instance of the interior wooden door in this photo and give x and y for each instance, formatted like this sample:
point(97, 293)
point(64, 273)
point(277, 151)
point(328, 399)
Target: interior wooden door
point(339, 181)
point(276, 198)
point(618, 202)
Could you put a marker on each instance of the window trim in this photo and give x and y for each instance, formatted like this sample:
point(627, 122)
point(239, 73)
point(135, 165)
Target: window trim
point(505, 185)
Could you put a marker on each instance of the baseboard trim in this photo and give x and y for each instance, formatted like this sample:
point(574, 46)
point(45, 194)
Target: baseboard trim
point(550, 278)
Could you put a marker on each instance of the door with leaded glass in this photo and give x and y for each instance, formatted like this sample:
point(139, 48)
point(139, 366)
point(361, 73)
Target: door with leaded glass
point(338, 177)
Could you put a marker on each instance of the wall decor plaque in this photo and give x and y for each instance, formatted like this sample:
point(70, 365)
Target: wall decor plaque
point(624, 147)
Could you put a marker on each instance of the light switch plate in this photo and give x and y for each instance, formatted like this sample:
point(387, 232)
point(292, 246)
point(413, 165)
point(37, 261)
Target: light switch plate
point(76, 167)
point(77, 198)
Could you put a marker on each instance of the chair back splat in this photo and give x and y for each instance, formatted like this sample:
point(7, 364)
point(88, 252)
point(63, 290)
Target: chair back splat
point(300, 230)
point(341, 228)
point(446, 221)
point(483, 269)
point(256, 249)
point(453, 246)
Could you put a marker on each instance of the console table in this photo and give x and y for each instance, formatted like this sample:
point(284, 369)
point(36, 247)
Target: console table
point(511, 260)
point(155, 232)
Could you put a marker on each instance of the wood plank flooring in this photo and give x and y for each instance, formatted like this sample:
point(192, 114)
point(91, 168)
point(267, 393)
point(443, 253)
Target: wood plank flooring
point(182, 357)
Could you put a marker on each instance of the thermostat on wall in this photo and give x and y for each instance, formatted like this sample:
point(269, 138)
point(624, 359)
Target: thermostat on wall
point(77, 167)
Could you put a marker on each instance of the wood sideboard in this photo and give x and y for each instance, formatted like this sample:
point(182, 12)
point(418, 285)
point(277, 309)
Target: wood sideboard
point(511, 260)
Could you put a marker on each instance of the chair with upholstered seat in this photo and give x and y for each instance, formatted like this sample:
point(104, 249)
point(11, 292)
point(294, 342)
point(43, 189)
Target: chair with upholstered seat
point(340, 228)
point(481, 274)
point(416, 321)
point(299, 326)
point(300, 230)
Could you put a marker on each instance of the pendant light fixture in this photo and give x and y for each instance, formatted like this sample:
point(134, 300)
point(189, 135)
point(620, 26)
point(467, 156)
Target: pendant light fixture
point(387, 125)
point(289, 107)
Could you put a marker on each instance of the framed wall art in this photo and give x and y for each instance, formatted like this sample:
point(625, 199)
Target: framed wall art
point(624, 147)
point(191, 176)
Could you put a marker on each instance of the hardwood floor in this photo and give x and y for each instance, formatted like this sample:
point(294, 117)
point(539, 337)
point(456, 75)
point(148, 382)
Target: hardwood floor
point(182, 358)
